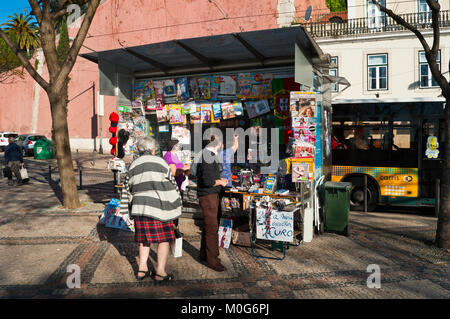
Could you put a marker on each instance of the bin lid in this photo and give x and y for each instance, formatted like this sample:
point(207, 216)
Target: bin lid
point(338, 185)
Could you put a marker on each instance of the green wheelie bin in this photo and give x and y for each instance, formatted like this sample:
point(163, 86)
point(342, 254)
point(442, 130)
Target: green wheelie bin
point(43, 149)
point(337, 207)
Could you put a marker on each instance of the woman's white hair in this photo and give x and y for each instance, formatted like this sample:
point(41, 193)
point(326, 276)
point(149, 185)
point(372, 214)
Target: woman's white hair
point(146, 144)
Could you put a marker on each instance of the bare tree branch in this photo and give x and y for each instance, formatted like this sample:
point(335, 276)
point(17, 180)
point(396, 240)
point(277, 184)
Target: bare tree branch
point(59, 14)
point(435, 8)
point(77, 43)
point(402, 22)
point(36, 10)
point(25, 62)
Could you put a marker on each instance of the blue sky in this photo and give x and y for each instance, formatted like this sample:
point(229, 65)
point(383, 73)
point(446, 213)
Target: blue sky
point(8, 7)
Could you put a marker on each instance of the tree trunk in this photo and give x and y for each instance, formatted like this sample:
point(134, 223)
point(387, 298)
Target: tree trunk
point(443, 224)
point(58, 105)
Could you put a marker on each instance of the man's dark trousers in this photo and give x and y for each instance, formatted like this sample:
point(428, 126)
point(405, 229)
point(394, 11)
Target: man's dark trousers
point(209, 248)
point(15, 168)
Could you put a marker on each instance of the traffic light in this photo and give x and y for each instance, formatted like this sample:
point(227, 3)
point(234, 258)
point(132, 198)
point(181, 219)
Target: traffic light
point(114, 119)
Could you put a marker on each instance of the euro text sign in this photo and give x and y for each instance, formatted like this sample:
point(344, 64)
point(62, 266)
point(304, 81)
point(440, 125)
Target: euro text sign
point(277, 225)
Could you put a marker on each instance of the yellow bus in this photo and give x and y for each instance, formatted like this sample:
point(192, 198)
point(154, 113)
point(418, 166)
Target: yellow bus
point(390, 152)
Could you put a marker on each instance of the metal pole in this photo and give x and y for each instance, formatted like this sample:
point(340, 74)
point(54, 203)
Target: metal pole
point(81, 177)
point(100, 149)
point(115, 180)
point(438, 197)
point(365, 193)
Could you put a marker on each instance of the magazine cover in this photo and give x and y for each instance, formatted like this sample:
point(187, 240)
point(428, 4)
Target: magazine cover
point(300, 172)
point(196, 114)
point(228, 111)
point(238, 108)
point(303, 134)
point(169, 88)
point(257, 108)
point(304, 103)
point(302, 169)
point(244, 81)
point(227, 86)
point(267, 86)
point(182, 89)
point(303, 149)
point(161, 115)
point(225, 232)
point(186, 108)
point(194, 91)
point(207, 113)
point(217, 111)
point(204, 85)
point(158, 86)
point(215, 86)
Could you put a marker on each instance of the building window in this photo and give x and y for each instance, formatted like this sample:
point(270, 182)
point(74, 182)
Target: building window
point(334, 72)
point(426, 78)
point(424, 12)
point(317, 83)
point(376, 18)
point(377, 68)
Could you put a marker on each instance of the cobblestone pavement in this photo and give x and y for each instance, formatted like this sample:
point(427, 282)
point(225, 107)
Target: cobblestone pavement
point(38, 243)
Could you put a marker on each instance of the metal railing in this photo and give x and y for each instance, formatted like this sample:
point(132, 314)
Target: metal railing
point(374, 25)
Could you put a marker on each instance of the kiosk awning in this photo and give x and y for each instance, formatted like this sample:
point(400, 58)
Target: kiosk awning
point(243, 50)
point(273, 47)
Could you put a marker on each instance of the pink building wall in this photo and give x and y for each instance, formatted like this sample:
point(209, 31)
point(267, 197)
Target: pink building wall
point(133, 23)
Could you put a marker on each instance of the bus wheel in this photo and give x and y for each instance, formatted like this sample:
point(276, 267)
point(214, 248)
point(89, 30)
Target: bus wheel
point(357, 194)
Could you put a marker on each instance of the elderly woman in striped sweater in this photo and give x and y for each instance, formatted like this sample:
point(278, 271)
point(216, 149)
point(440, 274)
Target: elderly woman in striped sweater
point(156, 202)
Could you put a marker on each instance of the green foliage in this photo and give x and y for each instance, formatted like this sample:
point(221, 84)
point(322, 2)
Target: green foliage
point(64, 42)
point(337, 5)
point(8, 60)
point(25, 31)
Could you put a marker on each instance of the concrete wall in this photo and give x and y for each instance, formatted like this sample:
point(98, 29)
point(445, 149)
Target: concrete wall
point(133, 23)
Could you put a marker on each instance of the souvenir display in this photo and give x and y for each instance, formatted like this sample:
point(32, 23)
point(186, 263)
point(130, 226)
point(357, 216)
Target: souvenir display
point(271, 183)
point(175, 116)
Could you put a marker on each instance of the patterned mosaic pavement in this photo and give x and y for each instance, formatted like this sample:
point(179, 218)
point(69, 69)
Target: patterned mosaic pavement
point(37, 248)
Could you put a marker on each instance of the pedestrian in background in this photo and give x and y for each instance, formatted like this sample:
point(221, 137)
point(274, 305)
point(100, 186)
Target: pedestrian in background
point(13, 160)
point(156, 202)
point(209, 185)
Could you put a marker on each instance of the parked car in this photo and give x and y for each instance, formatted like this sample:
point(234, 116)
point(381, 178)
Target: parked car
point(26, 143)
point(4, 139)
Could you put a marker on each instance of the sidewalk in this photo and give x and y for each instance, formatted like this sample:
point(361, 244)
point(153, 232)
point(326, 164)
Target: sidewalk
point(39, 240)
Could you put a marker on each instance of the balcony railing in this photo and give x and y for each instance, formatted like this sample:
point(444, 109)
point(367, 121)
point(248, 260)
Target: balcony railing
point(374, 24)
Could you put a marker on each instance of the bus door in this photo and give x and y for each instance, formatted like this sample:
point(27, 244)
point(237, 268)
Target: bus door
point(431, 164)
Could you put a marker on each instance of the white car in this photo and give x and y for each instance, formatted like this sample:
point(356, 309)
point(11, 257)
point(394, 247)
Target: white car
point(4, 139)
